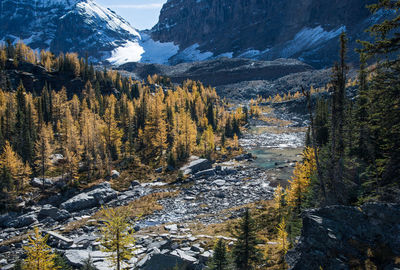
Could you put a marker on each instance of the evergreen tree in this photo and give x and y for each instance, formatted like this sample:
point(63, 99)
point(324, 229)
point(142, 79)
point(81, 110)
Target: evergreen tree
point(336, 171)
point(382, 100)
point(219, 260)
point(245, 251)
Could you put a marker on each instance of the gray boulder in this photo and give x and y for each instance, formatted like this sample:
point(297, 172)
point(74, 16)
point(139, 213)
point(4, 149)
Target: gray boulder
point(6, 218)
point(22, 221)
point(54, 213)
point(76, 257)
point(205, 173)
point(244, 157)
point(163, 262)
point(196, 166)
point(79, 202)
point(344, 237)
point(115, 174)
point(38, 182)
point(90, 198)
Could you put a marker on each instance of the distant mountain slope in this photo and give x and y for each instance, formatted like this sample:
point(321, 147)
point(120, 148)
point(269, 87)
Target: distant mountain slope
point(265, 29)
point(80, 26)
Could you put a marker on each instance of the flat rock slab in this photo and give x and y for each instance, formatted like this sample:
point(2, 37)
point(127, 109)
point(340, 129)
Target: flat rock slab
point(196, 166)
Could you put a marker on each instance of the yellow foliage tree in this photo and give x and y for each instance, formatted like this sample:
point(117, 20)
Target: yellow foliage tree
point(208, 141)
point(301, 178)
point(39, 255)
point(112, 134)
point(283, 243)
point(117, 236)
point(13, 163)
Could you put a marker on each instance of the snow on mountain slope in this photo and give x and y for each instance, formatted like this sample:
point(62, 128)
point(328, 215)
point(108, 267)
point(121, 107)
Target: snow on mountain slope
point(144, 50)
point(85, 27)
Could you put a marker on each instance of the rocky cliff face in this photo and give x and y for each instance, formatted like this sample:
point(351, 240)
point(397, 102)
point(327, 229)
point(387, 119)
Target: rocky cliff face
point(343, 237)
point(264, 29)
point(65, 26)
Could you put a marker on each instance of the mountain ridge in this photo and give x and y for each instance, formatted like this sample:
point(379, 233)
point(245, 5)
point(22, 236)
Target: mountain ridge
point(266, 30)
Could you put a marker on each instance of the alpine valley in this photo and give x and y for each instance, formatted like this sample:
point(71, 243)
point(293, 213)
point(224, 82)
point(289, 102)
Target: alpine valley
point(234, 134)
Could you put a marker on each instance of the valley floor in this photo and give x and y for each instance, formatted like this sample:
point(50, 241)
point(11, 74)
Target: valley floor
point(182, 219)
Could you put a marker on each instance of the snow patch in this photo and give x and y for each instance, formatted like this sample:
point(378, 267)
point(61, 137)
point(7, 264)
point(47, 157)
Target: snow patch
point(192, 53)
point(251, 53)
point(155, 51)
point(309, 38)
point(129, 52)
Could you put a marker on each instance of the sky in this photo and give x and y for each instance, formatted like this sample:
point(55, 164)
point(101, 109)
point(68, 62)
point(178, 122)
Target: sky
point(141, 14)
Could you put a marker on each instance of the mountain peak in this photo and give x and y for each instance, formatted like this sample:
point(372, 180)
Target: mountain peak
point(46, 24)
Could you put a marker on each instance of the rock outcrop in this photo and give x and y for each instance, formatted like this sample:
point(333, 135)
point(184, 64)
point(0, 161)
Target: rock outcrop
point(264, 29)
point(95, 196)
point(343, 237)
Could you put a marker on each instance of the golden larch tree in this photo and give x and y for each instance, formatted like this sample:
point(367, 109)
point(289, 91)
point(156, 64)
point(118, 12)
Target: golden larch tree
point(117, 236)
point(39, 254)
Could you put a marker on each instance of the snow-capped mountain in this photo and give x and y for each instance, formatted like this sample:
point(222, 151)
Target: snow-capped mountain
point(307, 30)
point(81, 26)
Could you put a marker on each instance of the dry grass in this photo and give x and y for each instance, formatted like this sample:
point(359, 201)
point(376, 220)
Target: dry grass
point(74, 225)
point(16, 239)
point(141, 207)
point(144, 206)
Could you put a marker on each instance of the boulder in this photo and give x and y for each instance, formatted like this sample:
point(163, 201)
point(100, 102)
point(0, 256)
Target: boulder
point(90, 198)
point(6, 218)
point(79, 202)
point(55, 158)
point(59, 237)
point(163, 262)
point(38, 182)
point(205, 173)
point(22, 221)
point(219, 182)
point(344, 237)
point(76, 257)
point(172, 227)
point(196, 166)
point(54, 213)
point(244, 157)
point(135, 184)
point(115, 174)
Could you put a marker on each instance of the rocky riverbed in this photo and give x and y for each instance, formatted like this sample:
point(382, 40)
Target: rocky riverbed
point(210, 194)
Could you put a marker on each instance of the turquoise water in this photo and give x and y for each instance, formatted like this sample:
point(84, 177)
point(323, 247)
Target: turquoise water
point(266, 159)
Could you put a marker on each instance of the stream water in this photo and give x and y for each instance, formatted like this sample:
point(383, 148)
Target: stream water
point(273, 147)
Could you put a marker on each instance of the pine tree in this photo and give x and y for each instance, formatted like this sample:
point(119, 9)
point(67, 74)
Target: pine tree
point(245, 251)
point(219, 260)
point(117, 236)
point(386, 38)
point(39, 256)
point(337, 145)
point(382, 98)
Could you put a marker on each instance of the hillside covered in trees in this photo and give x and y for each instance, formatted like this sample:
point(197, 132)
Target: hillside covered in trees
point(114, 121)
